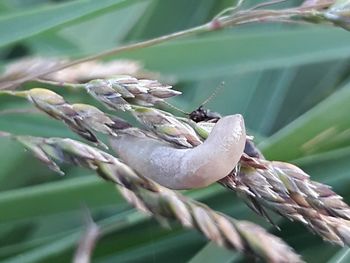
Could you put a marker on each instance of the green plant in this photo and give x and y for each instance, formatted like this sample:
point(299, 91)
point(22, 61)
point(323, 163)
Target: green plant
point(318, 135)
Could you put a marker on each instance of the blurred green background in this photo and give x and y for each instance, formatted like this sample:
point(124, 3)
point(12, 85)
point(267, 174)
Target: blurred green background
point(291, 83)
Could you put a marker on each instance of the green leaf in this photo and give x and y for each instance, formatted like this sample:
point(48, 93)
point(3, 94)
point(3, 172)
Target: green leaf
point(224, 53)
point(342, 256)
point(212, 253)
point(45, 252)
point(159, 246)
point(21, 25)
point(112, 27)
point(323, 128)
point(56, 197)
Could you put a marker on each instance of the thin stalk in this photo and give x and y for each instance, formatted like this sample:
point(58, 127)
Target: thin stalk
point(238, 18)
point(60, 84)
point(273, 2)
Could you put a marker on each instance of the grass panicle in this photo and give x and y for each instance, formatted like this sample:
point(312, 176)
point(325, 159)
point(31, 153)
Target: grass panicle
point(289, 191)
point(162, 202)
point(281, 187)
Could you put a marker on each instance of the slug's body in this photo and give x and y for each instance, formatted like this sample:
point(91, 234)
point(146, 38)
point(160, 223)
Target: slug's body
point(186, 168)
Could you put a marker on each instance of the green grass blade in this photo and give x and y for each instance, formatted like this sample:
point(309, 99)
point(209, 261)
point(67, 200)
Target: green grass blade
point(56, 197)
point(45, 252)
point(323, 128)
point(224, 53)
point(212, 253)
point(343, 256)
point(21, 25)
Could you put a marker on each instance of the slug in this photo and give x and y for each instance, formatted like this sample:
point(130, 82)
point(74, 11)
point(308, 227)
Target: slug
point(186, 168)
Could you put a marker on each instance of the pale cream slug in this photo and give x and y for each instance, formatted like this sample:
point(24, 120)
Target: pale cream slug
point(186, 168)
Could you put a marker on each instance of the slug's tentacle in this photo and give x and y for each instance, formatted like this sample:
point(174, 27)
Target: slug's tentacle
point(186, 168)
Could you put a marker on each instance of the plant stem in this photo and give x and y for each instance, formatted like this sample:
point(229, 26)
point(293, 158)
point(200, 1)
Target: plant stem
point(60, 84)
point(114, 51)
point(238, 18)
